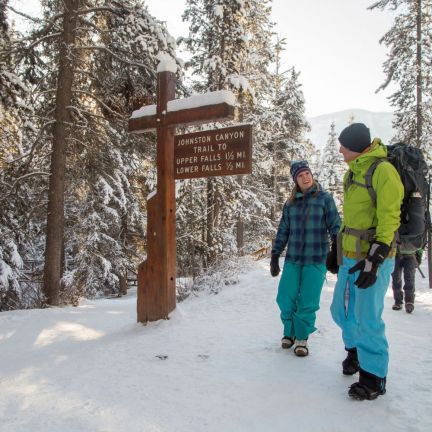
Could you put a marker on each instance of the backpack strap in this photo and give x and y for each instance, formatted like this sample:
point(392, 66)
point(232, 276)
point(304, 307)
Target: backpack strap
point(368, 180)
point(367, 234)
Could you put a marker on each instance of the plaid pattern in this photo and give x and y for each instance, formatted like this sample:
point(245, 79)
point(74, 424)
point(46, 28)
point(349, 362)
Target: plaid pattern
point(305, 226)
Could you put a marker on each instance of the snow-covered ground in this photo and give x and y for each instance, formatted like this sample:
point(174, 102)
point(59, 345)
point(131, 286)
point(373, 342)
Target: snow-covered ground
point(216, 365)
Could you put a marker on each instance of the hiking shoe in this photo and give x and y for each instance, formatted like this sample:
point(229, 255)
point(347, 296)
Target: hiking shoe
point(361, 392)
point(369, 387)
point(287, 342)
point(350, 365)
point(397, 306)
point(301, 349)
point(409, 307)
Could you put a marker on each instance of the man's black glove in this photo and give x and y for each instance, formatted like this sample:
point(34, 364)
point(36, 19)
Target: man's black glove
point(419, 256)
point(274, 265)
point(331, 260)
point(369, 266)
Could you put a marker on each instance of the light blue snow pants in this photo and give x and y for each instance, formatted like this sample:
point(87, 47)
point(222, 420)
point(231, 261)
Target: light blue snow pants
point(358, 313)
point(299, 296)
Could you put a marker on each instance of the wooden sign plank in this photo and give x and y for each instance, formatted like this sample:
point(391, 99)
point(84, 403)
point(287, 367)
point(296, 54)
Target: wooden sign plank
point(214, 152)
point(140, 125)
point(199, 115)
point(192, 116)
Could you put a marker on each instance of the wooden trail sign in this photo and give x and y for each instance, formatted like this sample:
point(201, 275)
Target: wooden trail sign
point(157, 274)
point(213, 152)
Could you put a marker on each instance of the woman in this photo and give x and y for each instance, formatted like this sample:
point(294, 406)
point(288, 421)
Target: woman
point(308, 218)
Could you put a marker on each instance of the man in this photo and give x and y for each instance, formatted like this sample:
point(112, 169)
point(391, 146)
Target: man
point(406, 263)
point(366, 260)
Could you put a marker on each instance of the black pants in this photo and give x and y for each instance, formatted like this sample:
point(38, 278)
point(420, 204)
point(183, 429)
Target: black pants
point(407, 264)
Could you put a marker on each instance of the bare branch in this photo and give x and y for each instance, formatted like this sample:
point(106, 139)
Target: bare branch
point(51, 90)
point(95, 9)
point(34, 19)
point(43, 39)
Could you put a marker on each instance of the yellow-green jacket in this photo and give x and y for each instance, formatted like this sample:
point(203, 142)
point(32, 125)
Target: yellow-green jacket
point(359, 211)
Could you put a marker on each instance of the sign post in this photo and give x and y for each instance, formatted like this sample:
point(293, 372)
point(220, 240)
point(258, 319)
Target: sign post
point(180, 157)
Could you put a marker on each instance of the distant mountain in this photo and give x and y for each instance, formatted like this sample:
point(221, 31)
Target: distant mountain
point(379, 123)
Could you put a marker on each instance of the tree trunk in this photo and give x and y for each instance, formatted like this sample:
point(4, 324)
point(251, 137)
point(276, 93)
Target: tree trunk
point(55, 216)
point(192, 237)
point(274, 176)
point(210, 221)
point(240, 225)
point(273, 209)
point(240, 228)
point(419, 83)
point(123, 284)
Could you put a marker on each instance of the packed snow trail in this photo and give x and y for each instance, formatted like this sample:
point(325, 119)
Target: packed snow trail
point(215, 366)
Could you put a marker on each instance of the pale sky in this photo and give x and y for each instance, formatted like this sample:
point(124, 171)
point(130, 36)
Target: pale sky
point(333, 43)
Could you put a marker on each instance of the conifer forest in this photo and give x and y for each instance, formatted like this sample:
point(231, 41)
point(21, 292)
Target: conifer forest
point(74, 182)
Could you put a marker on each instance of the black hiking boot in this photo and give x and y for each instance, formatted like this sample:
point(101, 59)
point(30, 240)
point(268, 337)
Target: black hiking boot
point(409, 307)
point(350, 365)
point(397, 306)
point(369, 387)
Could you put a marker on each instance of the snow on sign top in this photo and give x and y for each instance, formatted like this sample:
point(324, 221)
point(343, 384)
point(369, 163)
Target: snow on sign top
point(147, 110)
point(211, 98)
point(166, 63)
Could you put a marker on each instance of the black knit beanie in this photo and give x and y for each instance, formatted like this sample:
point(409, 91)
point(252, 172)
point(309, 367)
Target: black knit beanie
point(356, 137)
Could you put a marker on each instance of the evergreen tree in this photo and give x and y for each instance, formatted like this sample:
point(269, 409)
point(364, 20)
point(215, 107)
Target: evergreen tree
point(256, 70)
point(332, 168)
point(100, 76)
point(229, 44)
point(19, 177)
point(409, 66)
point(115, 161)
point(289, 142)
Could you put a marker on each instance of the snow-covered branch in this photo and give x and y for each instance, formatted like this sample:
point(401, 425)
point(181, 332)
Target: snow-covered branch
point(387, 81)
point(34, 19)
point(97, 100)
point(20, 179)
point(131, 63)
point(35, 144)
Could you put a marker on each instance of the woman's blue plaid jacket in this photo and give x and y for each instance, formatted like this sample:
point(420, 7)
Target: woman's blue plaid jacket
point(306, 225)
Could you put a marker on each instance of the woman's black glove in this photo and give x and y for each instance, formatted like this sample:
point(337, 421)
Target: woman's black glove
point(369, 266)
point(331, 260)
point(274, 265)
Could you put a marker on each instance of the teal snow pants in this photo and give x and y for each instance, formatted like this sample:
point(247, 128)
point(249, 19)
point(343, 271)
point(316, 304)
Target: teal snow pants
point(358, 313)
point(299, 296)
